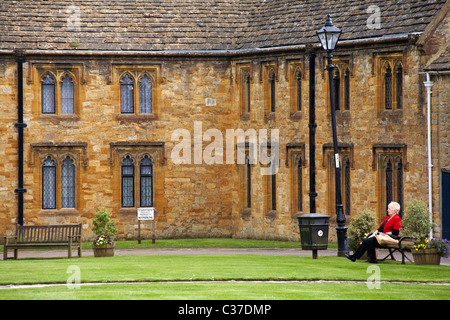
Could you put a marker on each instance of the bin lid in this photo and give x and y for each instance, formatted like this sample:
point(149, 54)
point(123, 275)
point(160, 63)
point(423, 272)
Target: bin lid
point(313, 218)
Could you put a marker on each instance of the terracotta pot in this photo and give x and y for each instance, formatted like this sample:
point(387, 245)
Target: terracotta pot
point(426, 256)
point(104, 250)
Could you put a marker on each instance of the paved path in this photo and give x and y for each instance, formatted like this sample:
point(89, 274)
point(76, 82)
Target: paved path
point(200, 251)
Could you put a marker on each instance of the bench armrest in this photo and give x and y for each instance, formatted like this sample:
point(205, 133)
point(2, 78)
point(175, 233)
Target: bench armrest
point(75, 238)
point(8, 239)
point(402, 239)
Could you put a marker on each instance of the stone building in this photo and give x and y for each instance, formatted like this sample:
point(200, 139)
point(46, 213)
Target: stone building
point(130, 104)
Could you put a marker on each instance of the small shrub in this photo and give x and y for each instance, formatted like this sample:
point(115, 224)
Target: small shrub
point(416, 221)
point(102, 224)
point(359, 227)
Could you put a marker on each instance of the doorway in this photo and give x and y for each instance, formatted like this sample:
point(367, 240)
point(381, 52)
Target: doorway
point(446, 205)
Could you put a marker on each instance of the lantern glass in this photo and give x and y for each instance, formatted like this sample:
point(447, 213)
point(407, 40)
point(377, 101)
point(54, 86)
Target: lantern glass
point(329, 35)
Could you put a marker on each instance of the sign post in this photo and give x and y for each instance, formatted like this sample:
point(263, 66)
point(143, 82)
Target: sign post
point(146, 214)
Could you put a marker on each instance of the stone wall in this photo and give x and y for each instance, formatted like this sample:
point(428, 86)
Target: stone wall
point(206, 200)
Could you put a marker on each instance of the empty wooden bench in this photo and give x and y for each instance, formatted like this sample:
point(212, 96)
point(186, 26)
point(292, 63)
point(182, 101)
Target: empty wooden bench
point(44, 237)
point(405, 244)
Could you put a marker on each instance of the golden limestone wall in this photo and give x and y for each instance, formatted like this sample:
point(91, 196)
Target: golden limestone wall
point(201, 199)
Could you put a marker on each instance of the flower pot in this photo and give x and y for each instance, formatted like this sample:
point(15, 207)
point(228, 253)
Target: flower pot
point(426, 256)
point(103, 250)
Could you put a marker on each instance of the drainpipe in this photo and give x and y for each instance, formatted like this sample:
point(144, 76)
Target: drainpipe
point(429, 84)
point(20, 125)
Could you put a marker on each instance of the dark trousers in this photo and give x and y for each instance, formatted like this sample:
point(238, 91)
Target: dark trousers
point(369, 245)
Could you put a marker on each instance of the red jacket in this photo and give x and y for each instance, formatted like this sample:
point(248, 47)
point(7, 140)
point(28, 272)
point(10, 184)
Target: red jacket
point(392, 223)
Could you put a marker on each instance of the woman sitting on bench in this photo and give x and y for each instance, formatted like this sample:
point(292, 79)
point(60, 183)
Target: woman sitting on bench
point(391, 225)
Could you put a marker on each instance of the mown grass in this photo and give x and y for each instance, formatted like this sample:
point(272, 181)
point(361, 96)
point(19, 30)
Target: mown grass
point(201, 276)
point(231, 291)
point(140, 269)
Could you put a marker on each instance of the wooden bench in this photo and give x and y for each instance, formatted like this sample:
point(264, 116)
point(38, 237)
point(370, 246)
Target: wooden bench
point(405, 244)
point(44, 237)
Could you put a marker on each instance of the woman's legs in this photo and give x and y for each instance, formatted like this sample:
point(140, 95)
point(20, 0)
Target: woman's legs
point(369, 245)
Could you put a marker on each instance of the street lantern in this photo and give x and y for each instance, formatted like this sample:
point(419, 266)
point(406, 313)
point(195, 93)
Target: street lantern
point(329, 36)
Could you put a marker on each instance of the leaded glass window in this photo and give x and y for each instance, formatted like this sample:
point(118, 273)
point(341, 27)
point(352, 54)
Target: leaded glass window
point(337, 89)
point(399, 86)
point(299, 91)
point(272, 91)
point(299, 185)
point(247, 91)
point(389, 182)
point(68, 183)
point(127, 182)
point(145, 95)
point(48, 94)
point(146, 182)
point(273, 185)
point(127, 94)
point(388, 88)
point(248, 183)
point(347, 190)
point(49, 184)
point(400, 186)
point(346, 89)
point(67, 95)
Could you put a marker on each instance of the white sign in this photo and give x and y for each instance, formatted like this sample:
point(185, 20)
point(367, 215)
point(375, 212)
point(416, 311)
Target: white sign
point(146, 213)
point(210, 102)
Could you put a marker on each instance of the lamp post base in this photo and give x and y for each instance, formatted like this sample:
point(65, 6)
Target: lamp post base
point(341, 235)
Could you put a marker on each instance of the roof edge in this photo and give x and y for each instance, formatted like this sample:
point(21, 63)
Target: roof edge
point(213, 53)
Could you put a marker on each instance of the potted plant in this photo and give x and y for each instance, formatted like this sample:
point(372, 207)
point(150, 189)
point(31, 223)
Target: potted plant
point(359, 228)
point(430, 251)
point(105, 229)
point(416, 224)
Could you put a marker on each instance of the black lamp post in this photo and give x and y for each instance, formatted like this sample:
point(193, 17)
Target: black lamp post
point(329, 36)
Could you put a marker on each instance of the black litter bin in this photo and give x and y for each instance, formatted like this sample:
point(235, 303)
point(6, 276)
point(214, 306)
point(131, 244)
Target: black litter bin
point(314, 232)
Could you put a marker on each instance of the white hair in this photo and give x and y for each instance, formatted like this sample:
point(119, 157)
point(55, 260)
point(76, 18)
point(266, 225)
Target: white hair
point(395, 206)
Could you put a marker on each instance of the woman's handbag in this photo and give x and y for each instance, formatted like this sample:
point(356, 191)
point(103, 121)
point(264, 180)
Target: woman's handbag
point(384, 239)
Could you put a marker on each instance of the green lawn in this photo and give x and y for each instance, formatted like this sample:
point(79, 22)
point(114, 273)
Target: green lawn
point(185, 276)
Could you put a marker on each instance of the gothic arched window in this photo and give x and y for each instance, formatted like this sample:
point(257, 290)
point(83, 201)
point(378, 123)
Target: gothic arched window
point(146, 182)
point(399, 85)
point(272, 90)
point(145, 95)
point(48, 94)
point(68, 183)
point(67, 95)
point(126, 94)
point(388, 88)
point(127, 182)
point(49, 184)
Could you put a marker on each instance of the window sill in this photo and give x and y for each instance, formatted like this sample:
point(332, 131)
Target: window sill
point(296, 116)
point(297, 214)
point(385, 114)
point(245, 116)
point(246, 214)
point(136, 117)
point(343, 113)
point(270, 116)
point(271, 215)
